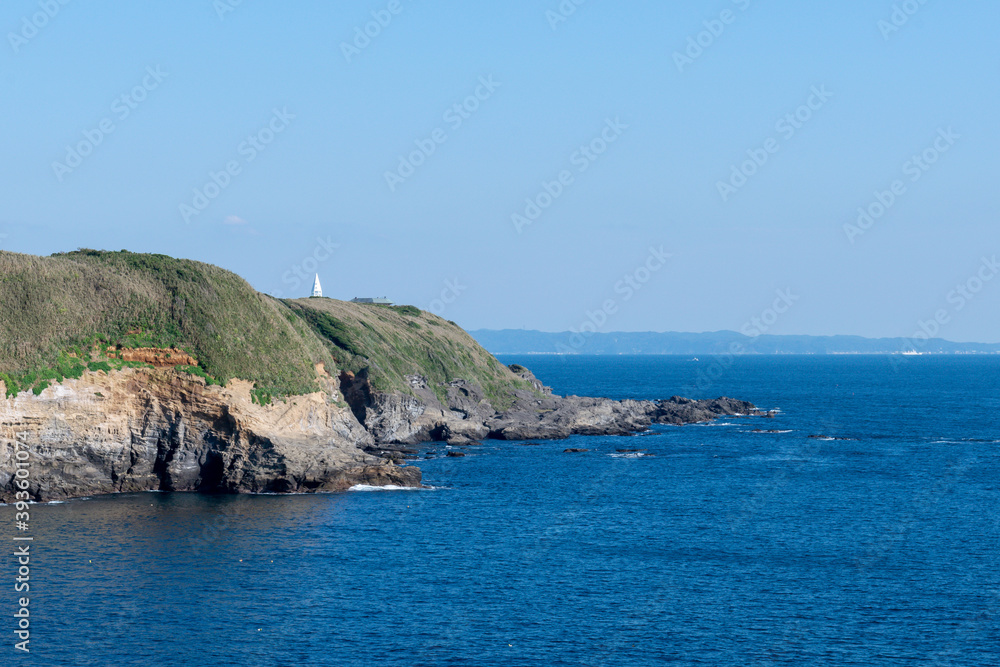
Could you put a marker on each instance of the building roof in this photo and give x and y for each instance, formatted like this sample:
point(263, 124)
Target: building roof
point(382, 301)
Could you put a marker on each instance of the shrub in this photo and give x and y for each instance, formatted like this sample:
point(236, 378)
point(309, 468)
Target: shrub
point(260, 396)
point(199, 372)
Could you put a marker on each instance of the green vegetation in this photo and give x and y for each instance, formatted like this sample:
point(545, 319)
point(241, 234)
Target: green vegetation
point(74, 301)
point(66, 366)
point(99, 366)
point(197, 371)
point(37, 380)
point(64, 314)
point(261, 396)
point(384, 342)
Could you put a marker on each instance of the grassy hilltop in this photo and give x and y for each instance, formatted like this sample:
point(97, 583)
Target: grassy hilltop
point(62, 314)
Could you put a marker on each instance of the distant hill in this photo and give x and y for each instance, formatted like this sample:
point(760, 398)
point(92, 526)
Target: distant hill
point(519, 341)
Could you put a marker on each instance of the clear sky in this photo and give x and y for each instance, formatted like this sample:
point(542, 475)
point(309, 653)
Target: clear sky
point(309, 115)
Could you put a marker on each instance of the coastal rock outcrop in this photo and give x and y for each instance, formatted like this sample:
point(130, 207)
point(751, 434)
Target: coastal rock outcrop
point(466, 415)
point(144, 430)
point(157, 429)
point(124, 372)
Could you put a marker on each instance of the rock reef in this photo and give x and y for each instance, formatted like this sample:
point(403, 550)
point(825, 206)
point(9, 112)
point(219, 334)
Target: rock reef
point(157, 429)
point(467, 416)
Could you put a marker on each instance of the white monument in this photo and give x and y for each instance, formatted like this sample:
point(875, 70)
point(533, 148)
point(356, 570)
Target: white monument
point(317, 288)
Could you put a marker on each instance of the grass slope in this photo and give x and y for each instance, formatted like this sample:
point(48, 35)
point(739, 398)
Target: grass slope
point(54, 310)
point(393, 342)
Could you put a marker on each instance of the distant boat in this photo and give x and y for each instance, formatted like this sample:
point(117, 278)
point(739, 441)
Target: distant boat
point(695, 359)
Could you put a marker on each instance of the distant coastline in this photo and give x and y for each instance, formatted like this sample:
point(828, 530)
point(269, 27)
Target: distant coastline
point(527, 342)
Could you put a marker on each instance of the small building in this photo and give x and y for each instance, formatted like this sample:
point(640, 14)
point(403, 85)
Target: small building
point(377, 301)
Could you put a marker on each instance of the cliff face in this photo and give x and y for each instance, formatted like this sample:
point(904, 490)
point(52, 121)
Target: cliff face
point(141, 430)
point(157, 429)
point(74, 328)
point(467, 415)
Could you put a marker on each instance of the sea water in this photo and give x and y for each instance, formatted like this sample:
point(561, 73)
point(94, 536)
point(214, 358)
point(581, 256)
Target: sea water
point(873, 543)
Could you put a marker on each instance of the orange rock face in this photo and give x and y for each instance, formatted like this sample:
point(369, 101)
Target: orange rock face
point(157, 356)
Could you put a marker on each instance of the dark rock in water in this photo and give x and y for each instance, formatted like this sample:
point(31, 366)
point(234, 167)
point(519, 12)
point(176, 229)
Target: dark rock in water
point(574, 450)
point(629, 451)
point(456, 455)
point(529, 444)
point(760, 430)
point(827, 437)
point(464, 442)
point(467, 414)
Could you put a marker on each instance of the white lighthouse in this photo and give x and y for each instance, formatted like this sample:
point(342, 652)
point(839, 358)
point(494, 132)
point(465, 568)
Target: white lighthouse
point(317, 288)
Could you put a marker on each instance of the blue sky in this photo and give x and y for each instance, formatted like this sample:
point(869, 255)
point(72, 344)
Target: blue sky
point(202, 85)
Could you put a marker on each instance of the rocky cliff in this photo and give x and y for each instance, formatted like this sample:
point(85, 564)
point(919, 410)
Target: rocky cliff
point(157, 429)
point(127, 372)
point(466, 413)
point(146, 429)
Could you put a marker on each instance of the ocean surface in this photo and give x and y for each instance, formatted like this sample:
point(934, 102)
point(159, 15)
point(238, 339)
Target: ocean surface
point(714, 545)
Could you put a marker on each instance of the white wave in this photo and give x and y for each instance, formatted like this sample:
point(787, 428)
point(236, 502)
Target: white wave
point(629, 455)
point(389, 487)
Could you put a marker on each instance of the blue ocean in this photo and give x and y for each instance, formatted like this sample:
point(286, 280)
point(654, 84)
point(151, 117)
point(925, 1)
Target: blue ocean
point(741, 542)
